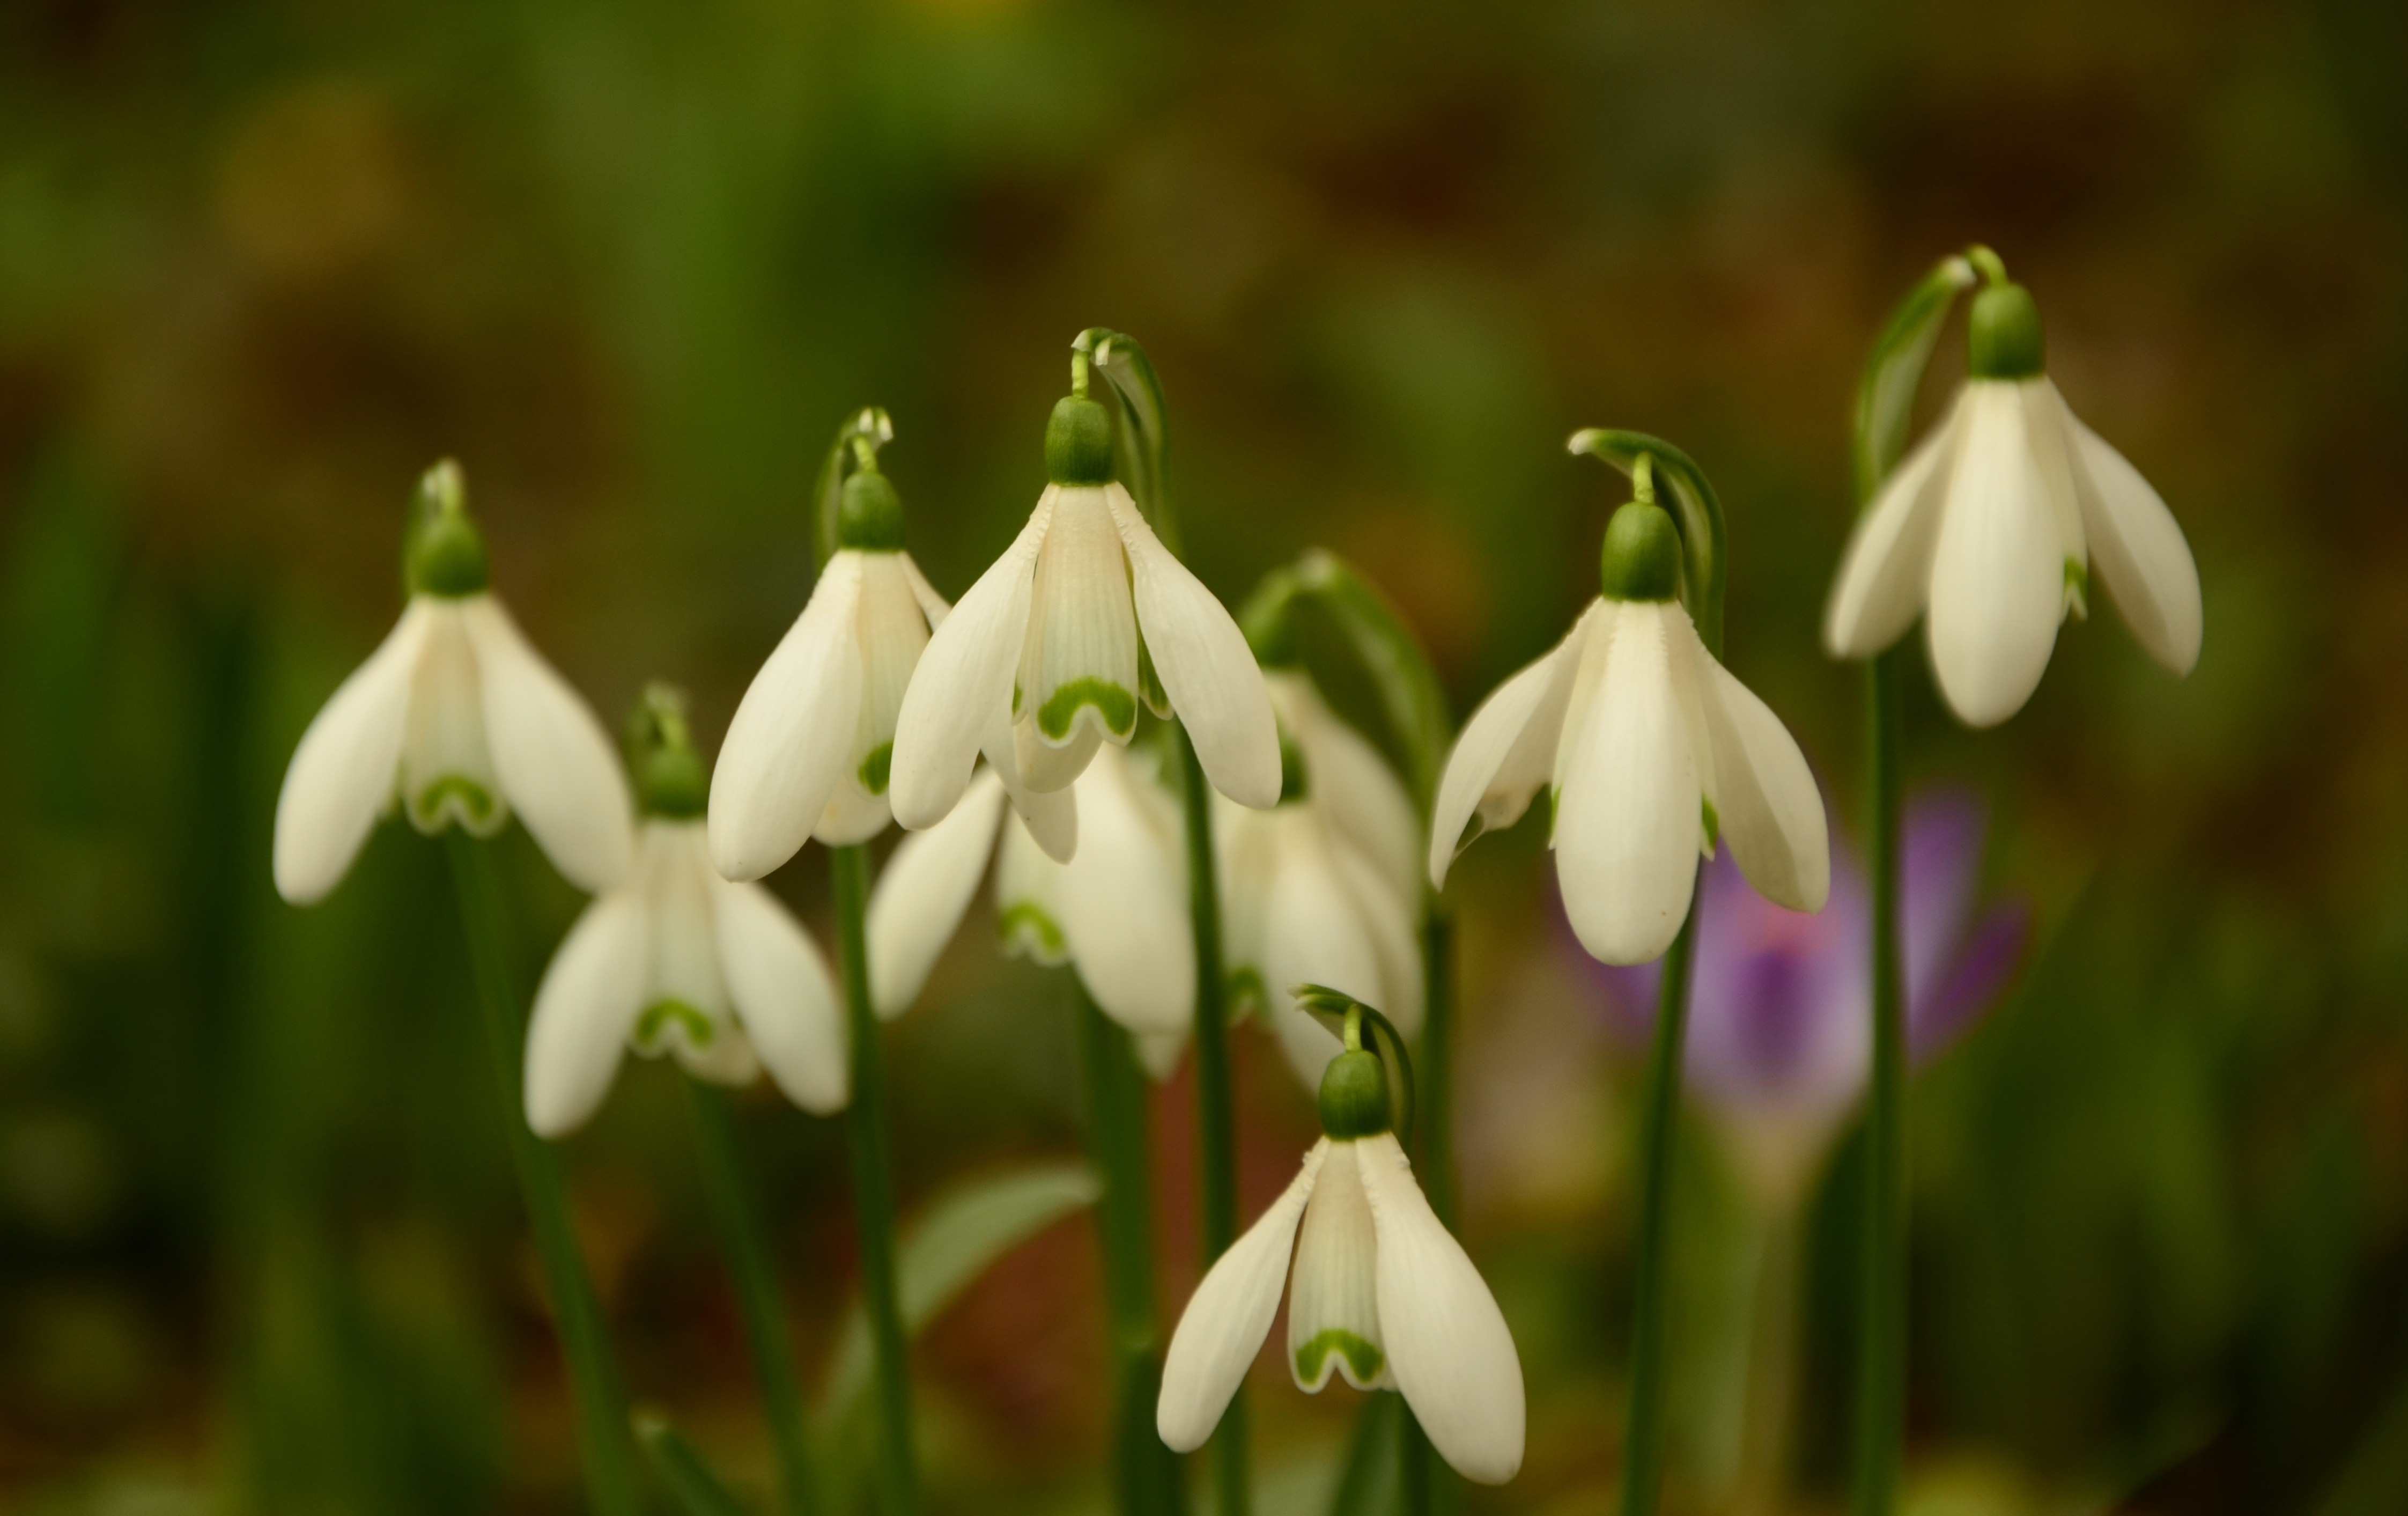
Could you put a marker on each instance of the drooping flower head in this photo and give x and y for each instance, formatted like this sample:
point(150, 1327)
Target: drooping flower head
point(1378, 1289)
point(1325, 887)
point(810, 751)
point(1780, 1025)
point(458, 720)
point(1116, 912)
point(1047, 658)
point(1989, 530)
point(677, 960)
point(1651, 752)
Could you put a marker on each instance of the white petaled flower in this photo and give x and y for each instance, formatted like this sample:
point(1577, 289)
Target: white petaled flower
point(1990, 528)
point(457, 719)
point(808, 753)
point(1046, 658)
point(679, 960)
point(1117, 912)
point(1651, 750)
point(1325, 887)
point(1378, 1291)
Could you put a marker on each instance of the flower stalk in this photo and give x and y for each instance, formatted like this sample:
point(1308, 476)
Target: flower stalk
point(729, 1198)
point(873, 1190)
point(577, 1314)
point(1643, 1443)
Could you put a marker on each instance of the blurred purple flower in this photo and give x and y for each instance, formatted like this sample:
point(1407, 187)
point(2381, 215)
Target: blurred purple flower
point(1779, 1028)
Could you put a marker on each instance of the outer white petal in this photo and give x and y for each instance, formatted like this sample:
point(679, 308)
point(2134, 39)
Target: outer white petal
point(962, 680)
point(891, 630)
point(1028, 911)
point(1228, 1317)
point(1886, 569)
point(1355, 787)
point(1052, 816)
point(932, 605)
point(1997, 571)
point(1506, 751)
point(2138, 547)
point(1390, 928)
point(557, 766)
point(1204, 663)
point(583, 1011)
point(1772, 813)
point(1627, 816)
point(1124, 901)
point(1158, 1052)
point(926, 886)
point(784, 995)
point(2044, 416)
point(342, 773)
point(786, 747)
point(1334, 1289)
point(1245, 845)
point(1448, 1345)
point(1311, 933)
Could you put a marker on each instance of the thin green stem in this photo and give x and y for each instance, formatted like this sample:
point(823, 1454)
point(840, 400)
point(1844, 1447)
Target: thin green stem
point(1881, 1317)
point(1643, 1443)
point(1761, 1486)
point(730, 1197)
point(1216, 1102)
point(873, 1190)
point(577, 1315)
point(1145, 1474)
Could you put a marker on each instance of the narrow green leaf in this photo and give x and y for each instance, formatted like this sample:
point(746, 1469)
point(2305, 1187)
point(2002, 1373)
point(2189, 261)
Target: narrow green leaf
point(1697, 510)
point(952, 1244)
point(1369, 1484)
point(697, 1488)
point(1893, 372)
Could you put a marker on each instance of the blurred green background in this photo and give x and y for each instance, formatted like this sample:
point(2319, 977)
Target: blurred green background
point(262, 261)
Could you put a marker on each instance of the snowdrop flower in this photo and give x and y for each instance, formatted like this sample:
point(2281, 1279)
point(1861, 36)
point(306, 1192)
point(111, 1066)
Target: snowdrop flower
point(810, 751)
point(457, 719)
point(1989, 527)
point(1650, 750)
point(1325, 887)
point(1046, 658)
point(677, 960)
point(1379, 1292)
point(1117, 912)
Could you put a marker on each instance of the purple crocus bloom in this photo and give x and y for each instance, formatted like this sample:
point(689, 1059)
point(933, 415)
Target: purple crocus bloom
point(1780, 1021)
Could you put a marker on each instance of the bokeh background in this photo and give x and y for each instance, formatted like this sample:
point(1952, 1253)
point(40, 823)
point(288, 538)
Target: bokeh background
point(262, 261)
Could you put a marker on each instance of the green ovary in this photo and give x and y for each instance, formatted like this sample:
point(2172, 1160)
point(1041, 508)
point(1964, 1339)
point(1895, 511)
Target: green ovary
point(1363, 1359)
point(877, 767)
point(662, 1014)
point(1117, 706)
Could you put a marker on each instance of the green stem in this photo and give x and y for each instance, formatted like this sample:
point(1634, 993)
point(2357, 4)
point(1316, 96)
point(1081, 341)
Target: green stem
point(1215, 1104)
point(1145, 1474)
point(577, 1315)
point(1881, 1317)
point(873, 1190)
point(692, 1483)
point(730, 1197)
point(1771, 1365)
point(1643, 1443)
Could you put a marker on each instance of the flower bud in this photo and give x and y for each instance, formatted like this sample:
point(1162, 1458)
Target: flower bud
point(1079, 442)
point(442, 552)
point(869, 515)
point(2003, 334)
point(1641, 559)
point(670, 780)
point(1353, 1096)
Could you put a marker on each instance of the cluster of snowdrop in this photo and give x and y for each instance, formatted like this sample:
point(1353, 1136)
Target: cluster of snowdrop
point(1007, 734)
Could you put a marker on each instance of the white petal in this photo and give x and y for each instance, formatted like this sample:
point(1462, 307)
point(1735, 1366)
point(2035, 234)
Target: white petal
point(1627, 816)
point(1048, 768)
point(1764, 795)
point(1448, 1345)
point(583, 1011)
point(1506, 751)
point(2044, 418)
point(1052, 815)
point(729, 1060)
point(1356, 790)
point(1886, 569)
point(1393, 936)
point(673, 870)
point(1311, 933)
point(1205, 666)
point(1997, 571)
point(1228, 1317)
point(1333, 1313)
point(786, 998)
point(2139, 549)
point(786, 747)
point(1245, 844)
point(446, 765)
point(557, 766)
point(932, 605)
point(1123, 901)
point(1078, 668)
point(891, 631)
point(1028, 898)
point(928, 884)
point(1158, 1052)
point(964, 678)
point(344, 770)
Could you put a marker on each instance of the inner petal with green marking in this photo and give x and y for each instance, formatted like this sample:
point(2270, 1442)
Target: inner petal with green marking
point(1079, 675)
point(1362, 1361)
point(663, 1017)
